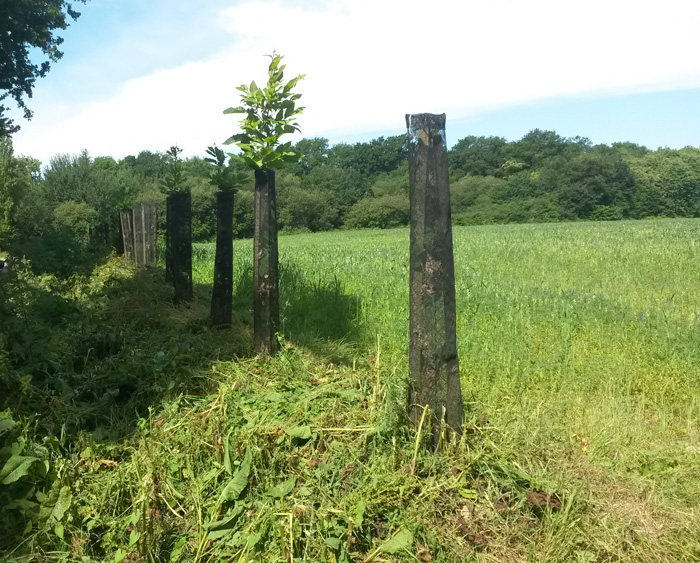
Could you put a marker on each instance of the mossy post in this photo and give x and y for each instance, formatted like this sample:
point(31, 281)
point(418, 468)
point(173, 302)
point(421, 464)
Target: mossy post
point(433, 361)
point(181, 241)
point(266, 314)
point(222, 293)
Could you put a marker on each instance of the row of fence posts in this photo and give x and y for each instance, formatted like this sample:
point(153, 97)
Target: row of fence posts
point(433, 360)
point(139, 226)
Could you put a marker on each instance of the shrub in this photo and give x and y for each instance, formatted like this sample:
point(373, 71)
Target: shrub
point(382, 212)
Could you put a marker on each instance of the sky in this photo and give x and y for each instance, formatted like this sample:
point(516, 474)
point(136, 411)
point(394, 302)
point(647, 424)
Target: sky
point(147, 74)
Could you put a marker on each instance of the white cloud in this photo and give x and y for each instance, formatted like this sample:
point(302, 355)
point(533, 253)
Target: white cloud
point(368, 62)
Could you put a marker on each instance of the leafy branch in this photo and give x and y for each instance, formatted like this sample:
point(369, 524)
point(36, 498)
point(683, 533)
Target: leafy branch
point(224, 177)
point(270, 113)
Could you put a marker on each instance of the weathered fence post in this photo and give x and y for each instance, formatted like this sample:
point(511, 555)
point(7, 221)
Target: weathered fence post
point(180, 239)
point(126, 221)
point(265, 265)
point(433, 361)
point(145, 233)
point(222, 293)
point(168, 239)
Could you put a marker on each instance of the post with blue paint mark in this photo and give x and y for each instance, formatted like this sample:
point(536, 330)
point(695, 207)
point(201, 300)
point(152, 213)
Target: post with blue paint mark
point(433, 361)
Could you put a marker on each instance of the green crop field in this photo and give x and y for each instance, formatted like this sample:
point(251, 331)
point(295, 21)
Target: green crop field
point(579, 347)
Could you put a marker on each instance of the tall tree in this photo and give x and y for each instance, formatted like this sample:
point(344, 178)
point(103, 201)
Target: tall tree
point(270, 112)
point(28, 26)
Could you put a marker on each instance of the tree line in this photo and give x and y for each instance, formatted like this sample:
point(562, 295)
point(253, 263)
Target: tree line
point(70, 206)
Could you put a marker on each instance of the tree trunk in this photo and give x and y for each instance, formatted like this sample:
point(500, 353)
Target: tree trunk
point(222, 293)
point(265, 266)
point(433, 361)
point(181, 241)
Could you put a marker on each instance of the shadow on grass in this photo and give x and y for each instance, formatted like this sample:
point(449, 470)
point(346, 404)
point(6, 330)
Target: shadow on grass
point(95, 354)
point(314, 313)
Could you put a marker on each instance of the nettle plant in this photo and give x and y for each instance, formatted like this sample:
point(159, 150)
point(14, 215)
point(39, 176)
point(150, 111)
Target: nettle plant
point(270, 113)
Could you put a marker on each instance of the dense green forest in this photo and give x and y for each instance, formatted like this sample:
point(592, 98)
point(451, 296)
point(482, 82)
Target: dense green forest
point(55, 213)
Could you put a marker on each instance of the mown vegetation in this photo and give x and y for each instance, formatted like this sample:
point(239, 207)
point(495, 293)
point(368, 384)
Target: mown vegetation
point(132, 431)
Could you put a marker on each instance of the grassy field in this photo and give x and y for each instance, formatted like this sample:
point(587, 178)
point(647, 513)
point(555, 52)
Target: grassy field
point(580, 357)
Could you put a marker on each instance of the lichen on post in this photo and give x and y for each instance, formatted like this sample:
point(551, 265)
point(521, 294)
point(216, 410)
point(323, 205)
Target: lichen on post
point(433, 361)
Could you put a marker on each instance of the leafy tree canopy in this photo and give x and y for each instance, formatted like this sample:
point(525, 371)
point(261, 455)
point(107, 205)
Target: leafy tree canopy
point(28, 25)
point(270, 113)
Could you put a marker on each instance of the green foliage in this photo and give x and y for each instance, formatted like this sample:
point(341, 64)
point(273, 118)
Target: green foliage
point(305, 210)
point(174, 180)
point(77, 219)
point(16, 182)
point(270, 113)
point(225, 177)
point(382, 212)
point(29, 28)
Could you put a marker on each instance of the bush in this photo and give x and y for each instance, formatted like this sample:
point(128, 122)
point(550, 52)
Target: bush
point(77, 220)
point(382, 212)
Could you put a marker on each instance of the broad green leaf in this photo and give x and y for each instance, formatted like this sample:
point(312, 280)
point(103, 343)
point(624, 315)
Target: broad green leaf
point(359, 513)
point(333, 543)
point(17, 467)
point(253, 540)
point(301, 432)
point(283, 489)
point(240, 479)
point(177, 549)
point(65, 496)
point(6, 424)
point(224, 527)
point(56, 504)
point(398, 542)
point(58, 530)
point(134, 537)
point(227, 454)
point(119, 556)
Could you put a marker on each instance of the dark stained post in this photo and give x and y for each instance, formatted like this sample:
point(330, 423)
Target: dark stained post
point(126, 219)
point(181, 241)
point(265, 265)
point(433, 361)
point(222, 293)
point(168, 239)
